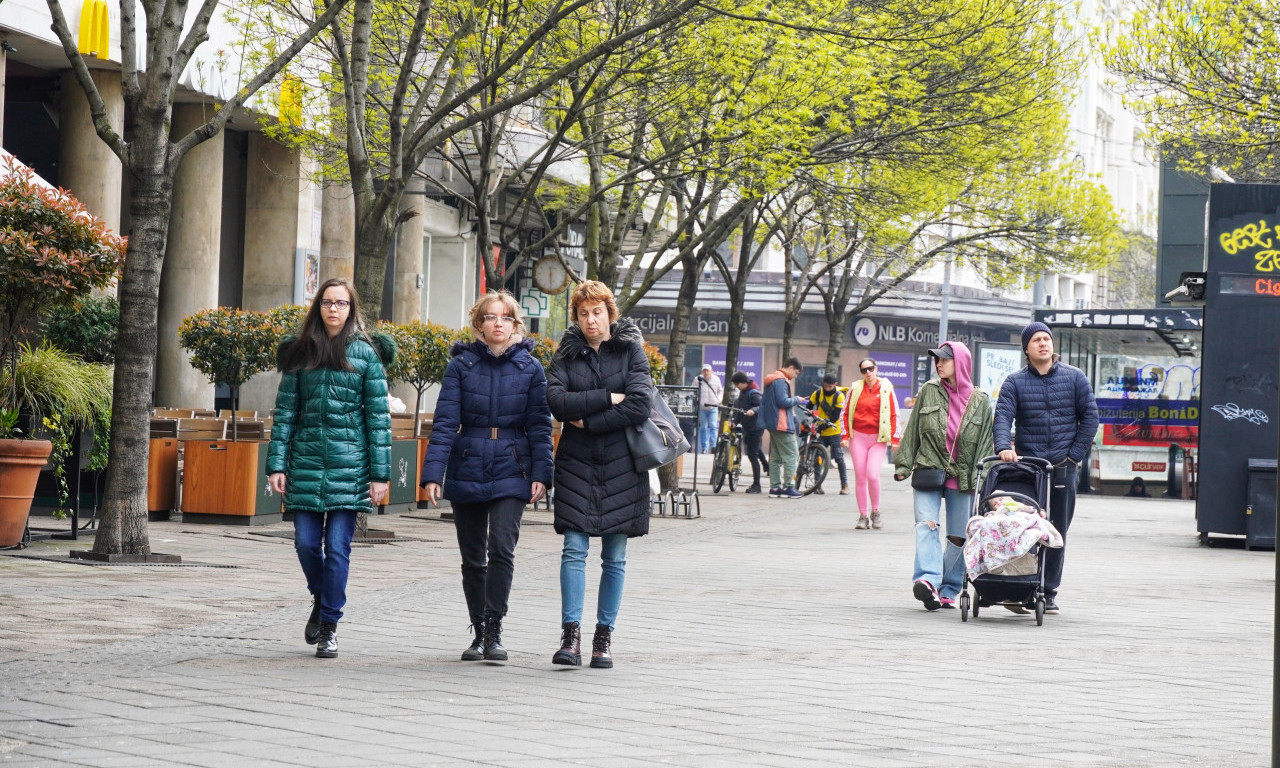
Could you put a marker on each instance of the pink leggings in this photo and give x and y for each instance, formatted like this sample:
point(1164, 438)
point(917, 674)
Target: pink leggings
point(868, 456)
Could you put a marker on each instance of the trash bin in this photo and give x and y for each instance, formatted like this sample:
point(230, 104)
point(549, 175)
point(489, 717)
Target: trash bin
point(1260, 514)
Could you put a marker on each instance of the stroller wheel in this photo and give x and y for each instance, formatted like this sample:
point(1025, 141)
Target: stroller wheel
point(1040, 612)
point(976, 603)
point(964, 606)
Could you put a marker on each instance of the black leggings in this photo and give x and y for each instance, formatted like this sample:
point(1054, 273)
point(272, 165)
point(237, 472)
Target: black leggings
point(751, 447)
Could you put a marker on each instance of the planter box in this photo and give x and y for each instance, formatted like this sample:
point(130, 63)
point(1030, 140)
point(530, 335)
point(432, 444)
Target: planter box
point(162, 478)
point(225, 482)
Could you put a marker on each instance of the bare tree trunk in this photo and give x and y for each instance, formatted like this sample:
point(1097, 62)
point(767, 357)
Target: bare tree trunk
point(123, 527)
point(374, 230)
point(690, 276)
point(835, 340)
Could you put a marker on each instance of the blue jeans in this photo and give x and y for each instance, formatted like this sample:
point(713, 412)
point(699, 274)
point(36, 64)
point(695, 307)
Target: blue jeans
point(708, 429)
point(573, 576)
point(945, 573)
point(325, 568)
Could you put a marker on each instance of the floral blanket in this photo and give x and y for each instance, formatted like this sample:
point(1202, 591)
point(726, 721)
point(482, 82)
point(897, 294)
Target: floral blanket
point(1003, 535)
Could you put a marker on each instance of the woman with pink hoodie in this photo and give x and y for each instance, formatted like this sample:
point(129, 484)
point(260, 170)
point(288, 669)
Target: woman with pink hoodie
point(949, 430)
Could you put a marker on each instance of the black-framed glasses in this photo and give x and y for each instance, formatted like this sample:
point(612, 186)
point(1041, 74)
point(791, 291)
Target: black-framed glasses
point(331, 303)
point(868, 369)
point(508, 319)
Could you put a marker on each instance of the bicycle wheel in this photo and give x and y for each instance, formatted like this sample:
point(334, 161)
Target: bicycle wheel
point(720, 466)
point(734, 464)
point(812, 468)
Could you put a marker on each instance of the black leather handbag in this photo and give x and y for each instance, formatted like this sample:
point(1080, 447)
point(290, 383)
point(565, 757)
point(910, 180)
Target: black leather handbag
point(658, 440)
point(928, 479)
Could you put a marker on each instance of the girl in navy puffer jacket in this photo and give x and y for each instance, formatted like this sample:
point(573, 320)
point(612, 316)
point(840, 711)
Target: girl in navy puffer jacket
point(490, 449)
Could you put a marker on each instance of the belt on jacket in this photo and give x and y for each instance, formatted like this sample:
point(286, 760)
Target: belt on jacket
point(492, 433)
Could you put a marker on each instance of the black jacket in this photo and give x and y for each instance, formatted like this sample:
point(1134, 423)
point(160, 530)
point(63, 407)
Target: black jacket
point(748, 400)
point(598, 489)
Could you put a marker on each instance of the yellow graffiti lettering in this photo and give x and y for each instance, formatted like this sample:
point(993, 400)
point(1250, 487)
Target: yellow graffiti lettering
point(1267, 261)
point(1248, 236)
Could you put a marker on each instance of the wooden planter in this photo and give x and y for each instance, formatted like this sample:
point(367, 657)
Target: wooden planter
point(162, 478)
point(225, 482)
point(20, 465)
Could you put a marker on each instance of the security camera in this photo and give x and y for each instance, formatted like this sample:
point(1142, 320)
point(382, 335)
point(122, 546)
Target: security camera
point(1190, 288)
point(8, 47)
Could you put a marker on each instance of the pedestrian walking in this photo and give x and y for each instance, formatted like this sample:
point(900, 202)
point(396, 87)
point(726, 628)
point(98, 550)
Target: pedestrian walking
point(947, 435)
point(1051, 403)
point(748, 405)
point(828, 402)
point(330, 451)
point(490, 451)
point(777, 415)
point(869, 423)
point(599, 385)
point(710, 394)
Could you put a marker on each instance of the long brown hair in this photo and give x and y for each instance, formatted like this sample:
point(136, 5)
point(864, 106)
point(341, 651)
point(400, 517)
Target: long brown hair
point(314, 348)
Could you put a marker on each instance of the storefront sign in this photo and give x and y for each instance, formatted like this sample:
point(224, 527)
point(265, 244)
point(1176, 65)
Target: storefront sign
point(750, 360)
point(896, 367)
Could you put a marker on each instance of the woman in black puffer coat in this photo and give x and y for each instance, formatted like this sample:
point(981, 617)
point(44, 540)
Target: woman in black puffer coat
point(599, 384)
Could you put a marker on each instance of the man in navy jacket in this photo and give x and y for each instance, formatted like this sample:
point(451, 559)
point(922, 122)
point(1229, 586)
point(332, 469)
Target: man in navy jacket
point(1057, 419)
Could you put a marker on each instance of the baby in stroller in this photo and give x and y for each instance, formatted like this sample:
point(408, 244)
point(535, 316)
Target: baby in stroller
point(1000, 540)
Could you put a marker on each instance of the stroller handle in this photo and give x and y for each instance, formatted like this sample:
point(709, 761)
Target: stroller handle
point(1033, 460)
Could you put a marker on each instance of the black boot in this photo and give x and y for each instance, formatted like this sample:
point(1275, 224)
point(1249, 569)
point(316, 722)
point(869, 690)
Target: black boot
point(493, 650)
point(313, 622)
point(475, 651)
point(327, 642)
point(600, 648)
point(570, 652)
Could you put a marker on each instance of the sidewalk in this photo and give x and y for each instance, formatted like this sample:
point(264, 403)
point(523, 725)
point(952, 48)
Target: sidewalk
point(765, 633)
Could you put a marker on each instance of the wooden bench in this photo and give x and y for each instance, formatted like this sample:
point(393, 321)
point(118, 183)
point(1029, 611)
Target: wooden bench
point(202, 429)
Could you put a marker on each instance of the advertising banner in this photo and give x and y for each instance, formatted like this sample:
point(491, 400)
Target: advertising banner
point(750, 359)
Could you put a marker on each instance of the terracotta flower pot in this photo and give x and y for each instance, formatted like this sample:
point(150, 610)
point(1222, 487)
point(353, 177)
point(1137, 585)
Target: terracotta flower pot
point(20, 464)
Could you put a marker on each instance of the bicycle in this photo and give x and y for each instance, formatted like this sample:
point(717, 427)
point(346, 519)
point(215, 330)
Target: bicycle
point(727, 463)
point(815, 459)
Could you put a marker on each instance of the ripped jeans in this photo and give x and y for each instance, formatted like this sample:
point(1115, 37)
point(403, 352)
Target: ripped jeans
point(946, 573)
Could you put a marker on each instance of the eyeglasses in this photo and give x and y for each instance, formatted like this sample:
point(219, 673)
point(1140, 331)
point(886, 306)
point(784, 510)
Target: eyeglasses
point(331, 303)
point(508, 319)
point(868, 369)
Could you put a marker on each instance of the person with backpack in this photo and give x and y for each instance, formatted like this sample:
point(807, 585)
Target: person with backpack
point(828, 402)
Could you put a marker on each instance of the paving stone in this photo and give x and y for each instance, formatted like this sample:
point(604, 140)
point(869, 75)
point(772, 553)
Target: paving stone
point(761, 634)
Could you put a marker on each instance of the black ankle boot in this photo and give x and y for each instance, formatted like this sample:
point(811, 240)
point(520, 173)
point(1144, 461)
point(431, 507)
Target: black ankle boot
point(475, 651)
point(493, 650)
point(570, 652)
point(600, 648)
point(327, 642)
point(312, 630)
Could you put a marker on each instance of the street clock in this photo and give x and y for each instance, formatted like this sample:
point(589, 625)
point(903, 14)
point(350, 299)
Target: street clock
point(549, 275)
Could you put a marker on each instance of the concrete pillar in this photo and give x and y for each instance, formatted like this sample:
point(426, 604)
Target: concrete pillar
point(338, 232)
point(189, 280)
point(274, 196)
point(4, 60)
point(272, 199)
point(86, 166)
point(408, 296)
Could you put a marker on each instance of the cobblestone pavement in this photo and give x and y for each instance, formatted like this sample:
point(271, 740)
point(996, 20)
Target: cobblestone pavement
point(765, 633)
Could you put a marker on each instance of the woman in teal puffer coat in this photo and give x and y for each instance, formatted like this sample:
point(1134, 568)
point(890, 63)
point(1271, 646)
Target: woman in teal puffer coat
point(330, 453)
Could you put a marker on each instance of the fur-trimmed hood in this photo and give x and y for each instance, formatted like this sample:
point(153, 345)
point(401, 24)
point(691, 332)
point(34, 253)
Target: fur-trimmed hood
point(622, 333)
point(481, 349)
point(382, 344)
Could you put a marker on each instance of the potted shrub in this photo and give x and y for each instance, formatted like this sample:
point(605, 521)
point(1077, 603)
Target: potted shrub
point(52, 253)
point(220, 479)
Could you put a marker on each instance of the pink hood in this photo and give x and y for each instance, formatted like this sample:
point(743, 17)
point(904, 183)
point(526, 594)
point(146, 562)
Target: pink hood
point(958, 395)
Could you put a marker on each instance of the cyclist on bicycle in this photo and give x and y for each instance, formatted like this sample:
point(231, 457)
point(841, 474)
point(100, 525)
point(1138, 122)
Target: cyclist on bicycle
point(748, 403)
point(828, 402)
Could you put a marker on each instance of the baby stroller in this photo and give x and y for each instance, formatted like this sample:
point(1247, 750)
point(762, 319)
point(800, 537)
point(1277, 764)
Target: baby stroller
point(1028, 481)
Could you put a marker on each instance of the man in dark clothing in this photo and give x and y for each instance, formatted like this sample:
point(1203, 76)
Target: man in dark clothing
point(749, 403)
point(1057, 420)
